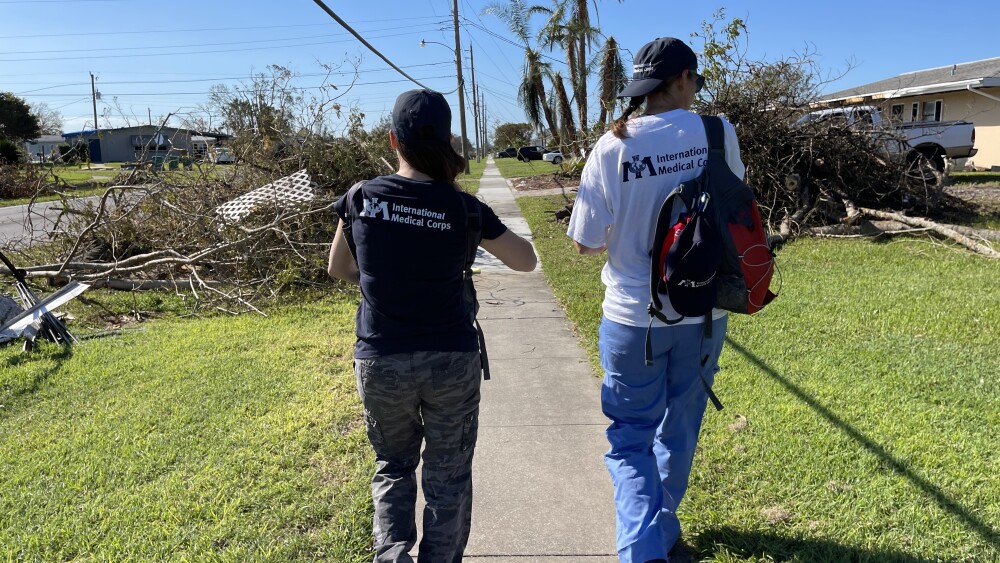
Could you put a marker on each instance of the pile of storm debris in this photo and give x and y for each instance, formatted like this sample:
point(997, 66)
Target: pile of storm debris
point(214, 239)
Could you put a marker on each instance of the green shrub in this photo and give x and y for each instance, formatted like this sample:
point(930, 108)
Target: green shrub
point(75, 153)
point(10, 153)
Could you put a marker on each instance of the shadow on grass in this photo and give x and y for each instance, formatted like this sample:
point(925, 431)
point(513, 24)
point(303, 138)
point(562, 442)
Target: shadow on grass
point(984, 530)
point(17, 390)
point(774, 547)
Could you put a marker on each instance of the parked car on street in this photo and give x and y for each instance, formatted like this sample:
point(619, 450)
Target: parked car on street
point(509, 152)
point(554, 156)
point(220, 155)
point(533, 152)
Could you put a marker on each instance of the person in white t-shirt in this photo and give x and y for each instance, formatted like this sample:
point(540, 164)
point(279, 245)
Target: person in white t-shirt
point(656, 410)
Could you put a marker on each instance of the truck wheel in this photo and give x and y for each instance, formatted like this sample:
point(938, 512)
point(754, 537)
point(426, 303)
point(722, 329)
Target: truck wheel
point(923, 171)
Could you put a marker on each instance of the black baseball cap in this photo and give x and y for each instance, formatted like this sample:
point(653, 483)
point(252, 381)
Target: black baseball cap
point(421, 115)
point(656, 61)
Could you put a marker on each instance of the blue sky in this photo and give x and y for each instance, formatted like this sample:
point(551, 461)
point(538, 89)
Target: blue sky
point(161, 57)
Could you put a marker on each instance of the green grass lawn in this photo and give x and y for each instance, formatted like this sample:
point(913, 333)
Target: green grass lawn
point(980, 178)
point(470, 181)
point(76, 174)
point(861, 406)
point(221, 439)
point(512, 168)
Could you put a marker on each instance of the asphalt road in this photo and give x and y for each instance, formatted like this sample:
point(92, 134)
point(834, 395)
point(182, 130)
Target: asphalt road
point(19, 228)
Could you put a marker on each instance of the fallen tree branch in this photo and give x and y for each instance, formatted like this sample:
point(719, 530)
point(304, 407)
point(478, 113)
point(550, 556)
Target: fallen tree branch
point(940, 229)
point(984, 234)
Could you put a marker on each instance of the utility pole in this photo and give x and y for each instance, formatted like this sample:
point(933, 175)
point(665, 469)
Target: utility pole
point(482, 115)
point(461, 86)
point(475, 103)
point(97, 133)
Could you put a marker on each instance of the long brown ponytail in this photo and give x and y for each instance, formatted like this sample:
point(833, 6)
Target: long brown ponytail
point(619, 127)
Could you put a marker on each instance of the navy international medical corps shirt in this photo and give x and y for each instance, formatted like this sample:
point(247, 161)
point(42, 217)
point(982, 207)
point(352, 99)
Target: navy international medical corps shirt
point(411, 242)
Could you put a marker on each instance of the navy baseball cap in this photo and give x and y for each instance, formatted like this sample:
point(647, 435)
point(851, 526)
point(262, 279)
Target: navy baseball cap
point(656, 61)
point(421, 115)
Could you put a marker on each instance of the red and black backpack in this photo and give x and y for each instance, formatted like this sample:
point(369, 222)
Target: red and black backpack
point(716, 253)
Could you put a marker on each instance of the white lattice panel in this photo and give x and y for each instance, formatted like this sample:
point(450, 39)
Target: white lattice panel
point(283, 192)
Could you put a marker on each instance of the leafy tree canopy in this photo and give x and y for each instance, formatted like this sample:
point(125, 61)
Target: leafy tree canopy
point(512, 135)
point(16, 120)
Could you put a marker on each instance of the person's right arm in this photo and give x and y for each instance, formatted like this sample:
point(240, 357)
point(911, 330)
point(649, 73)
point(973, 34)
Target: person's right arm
point(515, 252)
point(588, 249)
point(591, 218)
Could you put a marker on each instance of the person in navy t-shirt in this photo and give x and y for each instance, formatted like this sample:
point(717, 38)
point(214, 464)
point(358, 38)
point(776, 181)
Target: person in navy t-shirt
point(417, 359)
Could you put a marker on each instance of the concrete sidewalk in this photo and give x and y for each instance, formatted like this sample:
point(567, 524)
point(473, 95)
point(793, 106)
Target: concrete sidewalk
point(542, 492)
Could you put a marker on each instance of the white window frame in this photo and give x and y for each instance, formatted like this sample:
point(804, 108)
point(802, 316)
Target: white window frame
point(915, 111)
point(938, 110)
point(895, 115)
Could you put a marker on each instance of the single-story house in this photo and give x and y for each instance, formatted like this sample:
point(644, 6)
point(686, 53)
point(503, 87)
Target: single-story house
point(142, 142)
point(965, 91)
point(44, 148)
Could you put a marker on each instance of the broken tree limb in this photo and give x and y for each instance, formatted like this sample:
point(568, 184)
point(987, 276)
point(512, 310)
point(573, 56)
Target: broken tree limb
point(942, 230)
point(984, 234)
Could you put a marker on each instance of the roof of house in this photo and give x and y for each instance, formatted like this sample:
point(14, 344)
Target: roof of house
point(163, 129)
point(47, 139)
point(976, 74)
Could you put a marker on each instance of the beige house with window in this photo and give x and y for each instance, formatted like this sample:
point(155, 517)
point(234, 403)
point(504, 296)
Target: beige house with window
point(966, 92)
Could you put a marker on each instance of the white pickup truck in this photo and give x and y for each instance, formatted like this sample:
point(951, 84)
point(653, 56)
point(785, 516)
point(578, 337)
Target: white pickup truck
point(935, 140)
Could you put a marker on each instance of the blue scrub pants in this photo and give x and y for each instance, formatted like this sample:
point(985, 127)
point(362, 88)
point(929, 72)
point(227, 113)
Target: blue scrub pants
point(655, 414)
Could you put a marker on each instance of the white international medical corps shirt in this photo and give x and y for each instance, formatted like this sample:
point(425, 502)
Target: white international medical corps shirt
point(623, 185)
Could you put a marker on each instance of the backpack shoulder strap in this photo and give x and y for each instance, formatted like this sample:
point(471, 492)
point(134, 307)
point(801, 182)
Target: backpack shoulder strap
point(716, 138)
point(351, 214)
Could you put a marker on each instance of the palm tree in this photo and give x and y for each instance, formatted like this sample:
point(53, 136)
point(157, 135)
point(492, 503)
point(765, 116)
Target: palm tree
point(612, 77)
point(566, 29)
point(565, 111)
point(531, 94)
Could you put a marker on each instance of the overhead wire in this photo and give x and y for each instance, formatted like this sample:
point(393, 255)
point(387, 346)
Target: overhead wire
point(172, 54)
point(193, 45)
point(344, 24)
point(238, 90)
point(221, 78)
point(193, 30)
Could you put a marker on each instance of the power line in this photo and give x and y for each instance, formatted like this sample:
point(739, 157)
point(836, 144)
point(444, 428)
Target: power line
point(192, 45)
point(87, 57)
point(244, 91)
point(365, 43)
point(55, 1)
point(221, 78)
point(506, 40)
point(194, 30)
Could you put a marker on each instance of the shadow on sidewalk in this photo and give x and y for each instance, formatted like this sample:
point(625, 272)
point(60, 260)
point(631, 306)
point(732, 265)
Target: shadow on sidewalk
point(990, 535)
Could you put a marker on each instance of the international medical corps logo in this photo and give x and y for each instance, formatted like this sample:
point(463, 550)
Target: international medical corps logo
point(375, 207)
point(637, 166)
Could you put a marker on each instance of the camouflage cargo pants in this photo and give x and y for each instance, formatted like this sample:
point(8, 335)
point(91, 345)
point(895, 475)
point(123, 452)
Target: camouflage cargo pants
point(430, 397)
